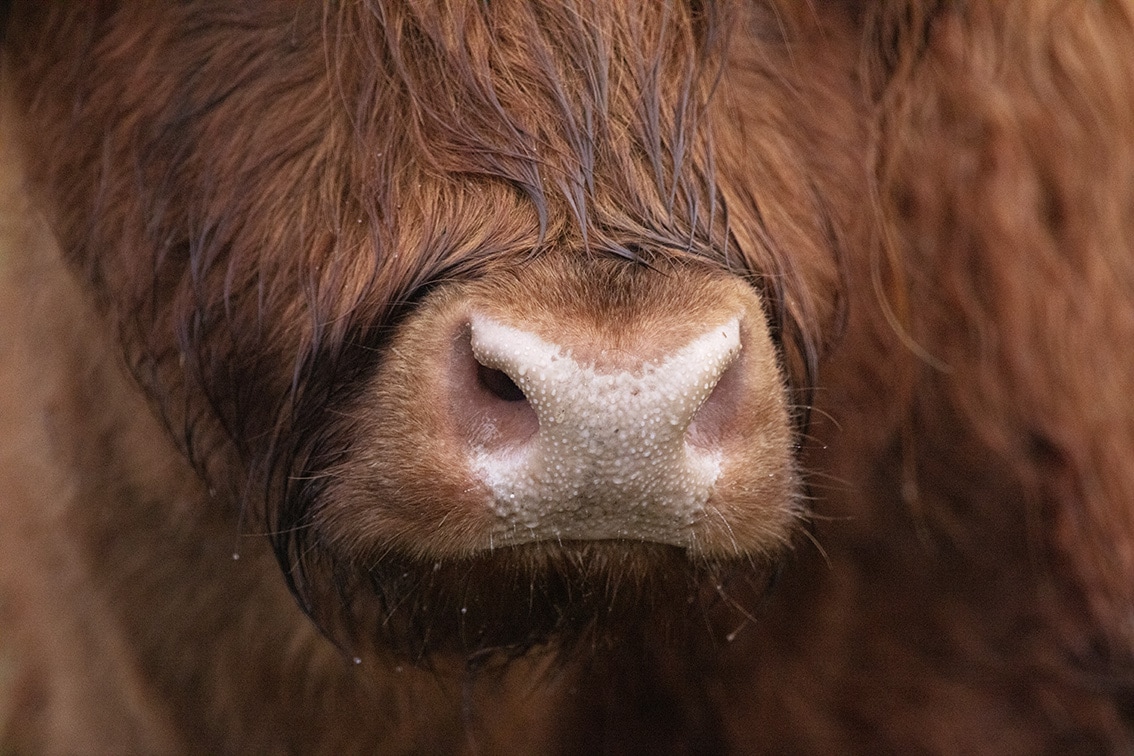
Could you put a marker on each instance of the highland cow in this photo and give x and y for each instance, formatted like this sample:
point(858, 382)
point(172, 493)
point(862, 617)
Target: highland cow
point(567, 376)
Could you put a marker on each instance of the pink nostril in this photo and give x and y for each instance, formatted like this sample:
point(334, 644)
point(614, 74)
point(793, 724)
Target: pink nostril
point(486, 405)
point(499, 384)
point(716, 418)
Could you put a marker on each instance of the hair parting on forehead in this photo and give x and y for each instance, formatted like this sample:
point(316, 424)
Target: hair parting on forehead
point(587, 118)
point(536, 96)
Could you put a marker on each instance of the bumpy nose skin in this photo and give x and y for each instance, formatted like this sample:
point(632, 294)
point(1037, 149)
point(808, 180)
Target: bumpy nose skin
point(572, 399)
point(612, 457)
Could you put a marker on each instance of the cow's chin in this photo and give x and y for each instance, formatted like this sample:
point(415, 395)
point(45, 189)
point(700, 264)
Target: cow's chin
point(541, 596)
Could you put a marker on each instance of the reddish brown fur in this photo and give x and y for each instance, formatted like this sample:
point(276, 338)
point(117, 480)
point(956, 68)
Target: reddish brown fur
point(935, 201)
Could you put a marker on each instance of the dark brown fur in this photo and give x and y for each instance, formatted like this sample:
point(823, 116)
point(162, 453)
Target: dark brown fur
point(935, 201)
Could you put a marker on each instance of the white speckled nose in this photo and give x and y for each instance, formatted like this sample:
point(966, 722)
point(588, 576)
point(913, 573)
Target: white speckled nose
point(612, 457)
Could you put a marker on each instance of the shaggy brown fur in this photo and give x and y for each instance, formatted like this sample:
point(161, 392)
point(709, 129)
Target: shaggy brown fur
point(250, 201)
